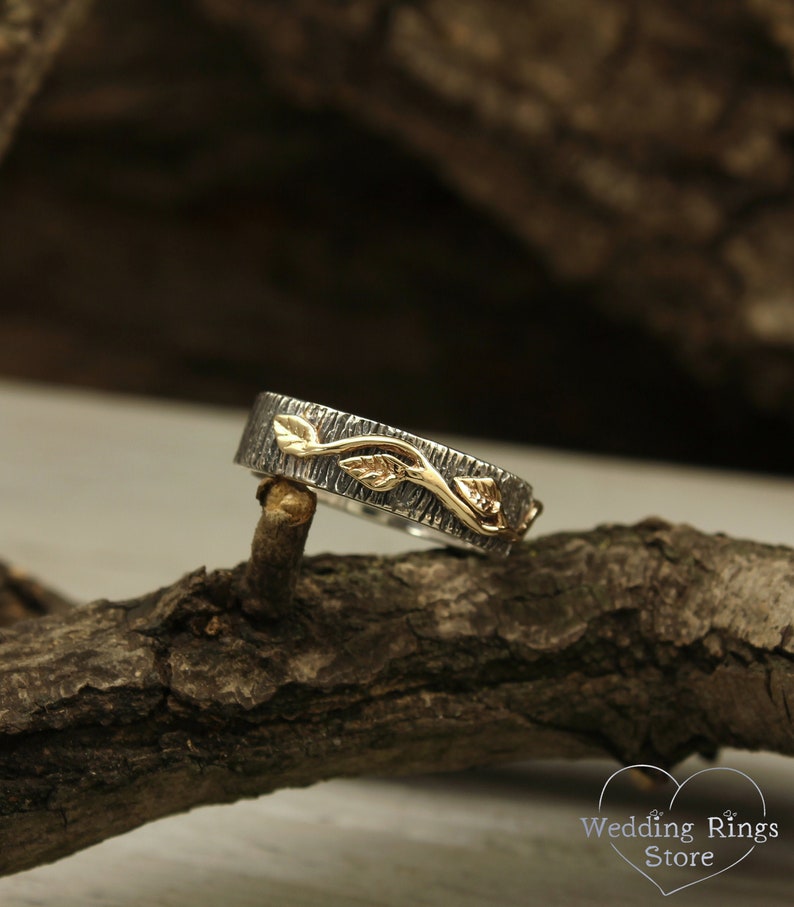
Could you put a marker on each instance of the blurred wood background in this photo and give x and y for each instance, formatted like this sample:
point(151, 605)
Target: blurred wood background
point(567, 223)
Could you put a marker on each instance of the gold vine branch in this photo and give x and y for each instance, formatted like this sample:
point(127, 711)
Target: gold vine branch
point(476, 501)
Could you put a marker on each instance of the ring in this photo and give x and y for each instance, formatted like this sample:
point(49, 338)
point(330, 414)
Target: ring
point(397, 478)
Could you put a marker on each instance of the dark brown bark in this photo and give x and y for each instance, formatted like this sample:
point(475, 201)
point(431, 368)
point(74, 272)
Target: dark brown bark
point(158, 169)
point(23, 597)
point(642, 150)
point(31, 33)
point(646, 643)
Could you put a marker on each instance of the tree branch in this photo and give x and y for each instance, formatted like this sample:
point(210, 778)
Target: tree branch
point(22, 597)
point(641, 150)
point(646, 643)
point(31, 33)
point(277, 549)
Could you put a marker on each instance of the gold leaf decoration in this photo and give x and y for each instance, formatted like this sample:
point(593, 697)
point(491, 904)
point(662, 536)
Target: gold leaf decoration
point(294, 434)
point(379, 472)
point(483, 495)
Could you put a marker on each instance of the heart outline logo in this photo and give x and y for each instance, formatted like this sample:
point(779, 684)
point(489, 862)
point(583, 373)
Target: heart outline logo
point(678, 789)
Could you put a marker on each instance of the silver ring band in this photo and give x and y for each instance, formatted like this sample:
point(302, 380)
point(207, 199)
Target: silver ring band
point(390, 475)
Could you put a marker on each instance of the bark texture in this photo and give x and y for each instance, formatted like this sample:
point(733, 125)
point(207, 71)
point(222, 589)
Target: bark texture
point(620, 186)
point(31, 32)
point(645, 643)
point(643, 148)
point(23, 597)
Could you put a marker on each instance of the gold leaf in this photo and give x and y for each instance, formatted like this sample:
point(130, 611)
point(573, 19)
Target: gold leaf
point(294, 434)
point(482, 494)
point(380, 472)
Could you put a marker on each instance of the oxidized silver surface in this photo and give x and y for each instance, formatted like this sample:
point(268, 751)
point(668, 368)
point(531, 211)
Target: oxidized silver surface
point(398, 478)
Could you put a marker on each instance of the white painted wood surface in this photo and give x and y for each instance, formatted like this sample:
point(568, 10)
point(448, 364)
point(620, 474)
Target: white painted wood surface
point(74, 465)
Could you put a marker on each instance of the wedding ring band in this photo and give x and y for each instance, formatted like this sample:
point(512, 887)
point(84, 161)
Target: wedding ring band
point(393, 476)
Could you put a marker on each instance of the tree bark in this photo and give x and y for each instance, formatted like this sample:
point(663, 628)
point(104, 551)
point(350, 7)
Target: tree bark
point(23, 597)
point(655, 202)
point(31, 33)
point(641, 150)
point(645, 643)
